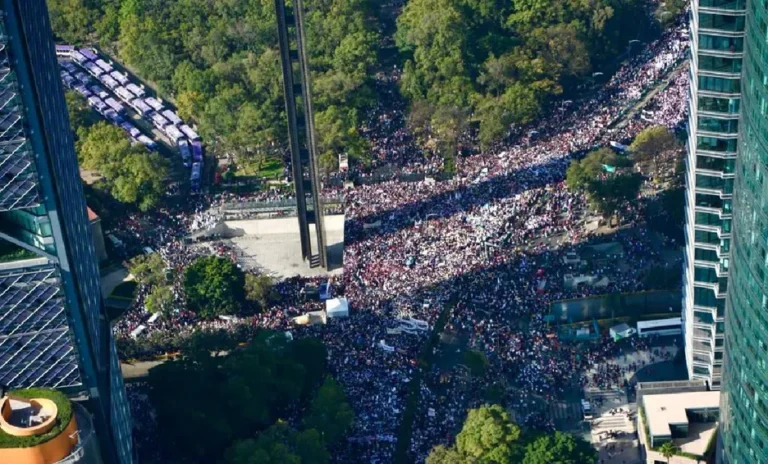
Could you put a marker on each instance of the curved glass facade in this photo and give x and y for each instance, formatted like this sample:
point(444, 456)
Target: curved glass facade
point(745, 381)
point(717, 48)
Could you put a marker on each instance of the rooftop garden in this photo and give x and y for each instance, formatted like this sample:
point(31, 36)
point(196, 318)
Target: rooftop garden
point(63, 418)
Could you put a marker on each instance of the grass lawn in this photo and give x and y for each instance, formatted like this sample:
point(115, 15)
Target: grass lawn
point(271, 168)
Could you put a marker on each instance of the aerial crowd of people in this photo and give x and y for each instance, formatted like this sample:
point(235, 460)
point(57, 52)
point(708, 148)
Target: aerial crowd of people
point(484, 251)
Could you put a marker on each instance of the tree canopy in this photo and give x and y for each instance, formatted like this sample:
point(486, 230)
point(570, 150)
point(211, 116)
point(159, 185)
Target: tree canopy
point(80, 114)
point(219, 62)
point(606, 178)
point(280, 444)
point(214, 286)
point(490, 436)
point(148, 269)
point(131, 174)
point(259, 289)
point(504, 60)
point(559, 448)
point(650, 146)
point(330, 413)
point(160, 299)
point(238, 395)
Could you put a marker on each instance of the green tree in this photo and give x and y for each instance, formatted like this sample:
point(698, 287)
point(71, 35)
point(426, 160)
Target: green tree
point(560, 448)
point(442, 454)
point(279, 444)
point(71, 20)
point(651, 144)
point(131, 175)
point(668, 449)
point(489, 435)
point(505, 60)
point(214, 286)
point(313, 355)
point(148, 269)
point(610, 194)
point(582, 173)
point(251, 387)
point(160, 299)
point(330, 414)
point(260, 289)
point(80, 114)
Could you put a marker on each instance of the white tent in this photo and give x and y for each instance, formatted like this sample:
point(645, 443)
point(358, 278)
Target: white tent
point(337, 307)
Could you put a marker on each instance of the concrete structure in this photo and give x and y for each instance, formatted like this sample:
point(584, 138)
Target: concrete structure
point(669, 387)
point(98, 235)
point(53, 327)
point(717, 43)
point(270, 245)
point(687, 419)
point(34, 431)
point(301, 129)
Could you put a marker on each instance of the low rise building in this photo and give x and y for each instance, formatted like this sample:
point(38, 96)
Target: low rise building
point(687, 419)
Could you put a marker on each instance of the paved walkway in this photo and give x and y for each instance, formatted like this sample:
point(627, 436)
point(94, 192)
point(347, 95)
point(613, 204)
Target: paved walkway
point(139, 369)
point(614, 434)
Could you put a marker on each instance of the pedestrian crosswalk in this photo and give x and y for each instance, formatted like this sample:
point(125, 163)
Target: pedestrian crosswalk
point(566, 411)
point(556, 411)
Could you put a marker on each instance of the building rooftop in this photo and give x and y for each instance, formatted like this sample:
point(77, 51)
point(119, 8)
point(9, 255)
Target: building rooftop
point(33, 416)
point(663, 410)
point(91, 215)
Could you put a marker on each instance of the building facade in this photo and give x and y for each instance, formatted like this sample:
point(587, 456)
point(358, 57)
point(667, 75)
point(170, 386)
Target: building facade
point(53, 327)
point(717, 48)
point(744, 435)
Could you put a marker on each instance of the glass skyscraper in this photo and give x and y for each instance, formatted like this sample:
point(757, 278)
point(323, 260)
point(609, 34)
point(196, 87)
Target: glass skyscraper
point(53, 327)
point(744, 432)
point(717, 48)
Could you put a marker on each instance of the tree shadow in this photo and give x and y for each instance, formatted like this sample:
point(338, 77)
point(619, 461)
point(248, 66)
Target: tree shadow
point(460, 199)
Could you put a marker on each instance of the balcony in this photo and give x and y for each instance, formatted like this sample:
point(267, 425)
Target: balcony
point(702, 347)
point(721, 6)
point(702, 333)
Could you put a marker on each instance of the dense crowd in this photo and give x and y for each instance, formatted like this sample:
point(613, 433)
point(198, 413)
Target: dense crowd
point(485, 249)
point(495, 237)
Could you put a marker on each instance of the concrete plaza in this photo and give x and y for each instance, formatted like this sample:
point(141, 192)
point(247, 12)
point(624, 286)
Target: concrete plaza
point(273, 245)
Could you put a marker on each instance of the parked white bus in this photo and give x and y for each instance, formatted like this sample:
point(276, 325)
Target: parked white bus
point(670, 326)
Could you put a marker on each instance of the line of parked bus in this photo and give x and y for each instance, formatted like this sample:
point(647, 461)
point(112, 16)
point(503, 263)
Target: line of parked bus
point(134, 96)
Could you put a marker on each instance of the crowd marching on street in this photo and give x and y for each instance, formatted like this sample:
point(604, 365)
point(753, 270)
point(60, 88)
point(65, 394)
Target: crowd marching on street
point(486, 247)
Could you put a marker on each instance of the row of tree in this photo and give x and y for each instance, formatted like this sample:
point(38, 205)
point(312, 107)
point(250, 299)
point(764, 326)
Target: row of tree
point(490, 436)
point(485, 61)
point(237, 405)
point(220, 64)
point(500, 62)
